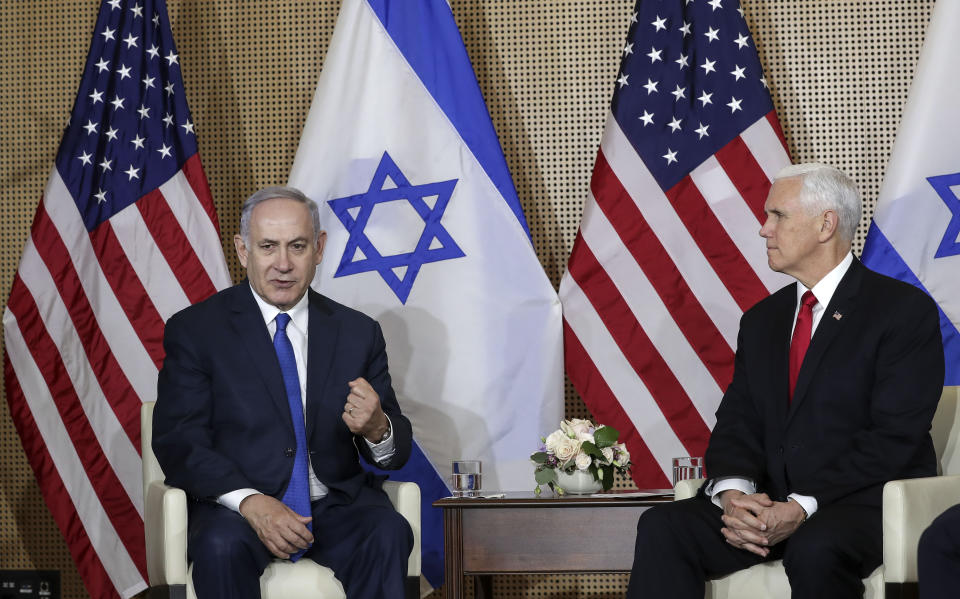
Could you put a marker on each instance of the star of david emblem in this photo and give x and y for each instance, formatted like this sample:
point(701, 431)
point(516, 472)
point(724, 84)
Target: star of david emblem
point(949, 245)
point(399, 271)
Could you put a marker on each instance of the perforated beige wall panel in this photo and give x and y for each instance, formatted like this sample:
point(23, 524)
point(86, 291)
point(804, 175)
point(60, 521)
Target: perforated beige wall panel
point(839, 70)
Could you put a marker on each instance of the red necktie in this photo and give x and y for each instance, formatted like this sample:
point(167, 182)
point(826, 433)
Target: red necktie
point(801, 336)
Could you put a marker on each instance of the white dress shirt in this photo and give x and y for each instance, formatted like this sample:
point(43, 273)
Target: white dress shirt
point(297, 331)
point(823, 291)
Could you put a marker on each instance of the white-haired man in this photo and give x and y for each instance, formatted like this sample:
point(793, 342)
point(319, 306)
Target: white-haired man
point(835, 383)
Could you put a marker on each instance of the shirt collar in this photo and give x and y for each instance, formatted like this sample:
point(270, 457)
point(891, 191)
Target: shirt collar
point(827, 286)
point(298, 313)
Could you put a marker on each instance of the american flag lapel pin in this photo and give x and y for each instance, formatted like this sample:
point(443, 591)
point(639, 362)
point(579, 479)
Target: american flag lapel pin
point(837, 315)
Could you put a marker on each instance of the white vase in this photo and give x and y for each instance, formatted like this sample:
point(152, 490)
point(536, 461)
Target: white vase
point(580, 482)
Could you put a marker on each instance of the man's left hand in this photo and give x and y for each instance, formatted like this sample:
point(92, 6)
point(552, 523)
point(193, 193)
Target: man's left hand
point(782, 520)
point(362, 413)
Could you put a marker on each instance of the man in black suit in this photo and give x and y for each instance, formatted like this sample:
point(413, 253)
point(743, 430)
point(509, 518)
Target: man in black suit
point(268, 393)
point(938, 557)
point(806, 437)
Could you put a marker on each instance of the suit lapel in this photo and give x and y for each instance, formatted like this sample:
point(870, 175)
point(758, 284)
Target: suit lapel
point(248, 326)
point(842, 304)
point(321, 347)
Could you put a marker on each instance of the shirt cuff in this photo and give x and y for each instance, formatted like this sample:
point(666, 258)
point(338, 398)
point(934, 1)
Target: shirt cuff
point(233, 499)
point(384, 450)
point(719, 485)
point(807, 502)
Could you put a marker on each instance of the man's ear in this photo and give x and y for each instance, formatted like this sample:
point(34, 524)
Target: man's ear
point(828, 224)
point(241, 249)
point(321, 241)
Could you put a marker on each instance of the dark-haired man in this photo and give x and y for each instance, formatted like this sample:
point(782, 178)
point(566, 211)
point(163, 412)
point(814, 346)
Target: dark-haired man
point(268, 395)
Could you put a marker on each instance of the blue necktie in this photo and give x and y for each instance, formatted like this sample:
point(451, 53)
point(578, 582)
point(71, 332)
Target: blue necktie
point(297, 496)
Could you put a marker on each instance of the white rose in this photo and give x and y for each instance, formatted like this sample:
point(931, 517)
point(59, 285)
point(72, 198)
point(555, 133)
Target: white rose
point(624, 456)
point(566, 450)
point(583, 461)
point(553, 440)
point(581, 428)
point(607, 454)
point(567, 427)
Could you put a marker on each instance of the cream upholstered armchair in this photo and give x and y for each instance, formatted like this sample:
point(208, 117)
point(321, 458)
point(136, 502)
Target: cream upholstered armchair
point(909, 506)
point(165, 523)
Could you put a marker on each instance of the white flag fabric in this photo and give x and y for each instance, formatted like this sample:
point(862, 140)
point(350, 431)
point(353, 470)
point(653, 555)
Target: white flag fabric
point(426, 234)
point(915, 233)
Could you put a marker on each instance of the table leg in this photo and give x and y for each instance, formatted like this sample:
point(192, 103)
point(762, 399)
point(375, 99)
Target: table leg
point(483, 586)
point(453, 553)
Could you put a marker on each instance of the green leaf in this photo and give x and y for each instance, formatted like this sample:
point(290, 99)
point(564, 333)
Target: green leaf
point(590, 449)
point(605, 436)
point(545, 476)
point(540, 457)
point(537, 491)
point(607, 478)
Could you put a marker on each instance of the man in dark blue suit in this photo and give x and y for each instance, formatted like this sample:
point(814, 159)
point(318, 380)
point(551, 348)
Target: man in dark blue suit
point(938, 557)
point(835, 383)
point(268, 393)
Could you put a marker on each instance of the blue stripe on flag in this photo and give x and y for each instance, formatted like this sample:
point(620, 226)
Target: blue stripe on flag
point(419, 470)
point(880, 255)
point(442, 64)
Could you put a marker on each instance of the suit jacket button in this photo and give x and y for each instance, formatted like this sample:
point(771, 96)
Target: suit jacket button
point(780, 450)
point(289, 452)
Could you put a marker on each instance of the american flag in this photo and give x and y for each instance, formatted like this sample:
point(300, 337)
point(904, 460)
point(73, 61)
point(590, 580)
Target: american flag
point(125, 235)
point(668, 255)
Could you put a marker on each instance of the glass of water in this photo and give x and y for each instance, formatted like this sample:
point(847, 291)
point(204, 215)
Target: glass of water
point(686, 468)
point(466, 477)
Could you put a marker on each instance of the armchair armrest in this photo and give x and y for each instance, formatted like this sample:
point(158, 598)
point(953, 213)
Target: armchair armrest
point(165, 520)
point(686, 489)
point(909, 506)
point(405, 497)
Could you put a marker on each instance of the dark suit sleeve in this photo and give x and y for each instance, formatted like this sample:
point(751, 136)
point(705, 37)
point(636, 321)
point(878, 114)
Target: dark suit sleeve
point(736, 444)
point(182, 434)
point(378, 375)
point(908, 381)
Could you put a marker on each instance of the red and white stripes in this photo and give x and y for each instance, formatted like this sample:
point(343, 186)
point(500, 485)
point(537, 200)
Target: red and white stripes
point(83, 330)
point(656, 285)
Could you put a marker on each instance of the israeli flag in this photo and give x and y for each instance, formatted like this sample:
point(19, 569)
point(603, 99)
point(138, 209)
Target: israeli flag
point(426, 234)
point(915, 233)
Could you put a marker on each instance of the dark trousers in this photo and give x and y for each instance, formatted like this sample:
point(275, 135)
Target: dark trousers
point(679, 546)
point(365, 542)
point(938, 557)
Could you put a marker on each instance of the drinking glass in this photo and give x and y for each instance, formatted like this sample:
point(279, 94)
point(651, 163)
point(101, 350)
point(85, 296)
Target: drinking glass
point(686, 468)
point(466, 477)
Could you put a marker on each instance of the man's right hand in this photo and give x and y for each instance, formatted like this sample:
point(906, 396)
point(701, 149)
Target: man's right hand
point(742, 528)
point(282, 530)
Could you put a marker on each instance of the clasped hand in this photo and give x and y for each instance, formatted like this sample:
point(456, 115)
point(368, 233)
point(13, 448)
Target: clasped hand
point(755, 522)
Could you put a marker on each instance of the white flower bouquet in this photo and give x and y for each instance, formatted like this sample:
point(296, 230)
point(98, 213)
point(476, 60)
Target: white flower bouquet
point(579, 445)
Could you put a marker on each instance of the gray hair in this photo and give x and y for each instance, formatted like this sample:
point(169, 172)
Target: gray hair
point(269, 193)
point(824, 187)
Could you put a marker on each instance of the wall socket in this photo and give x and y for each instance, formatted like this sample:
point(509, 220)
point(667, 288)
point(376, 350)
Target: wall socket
point(29, 584)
